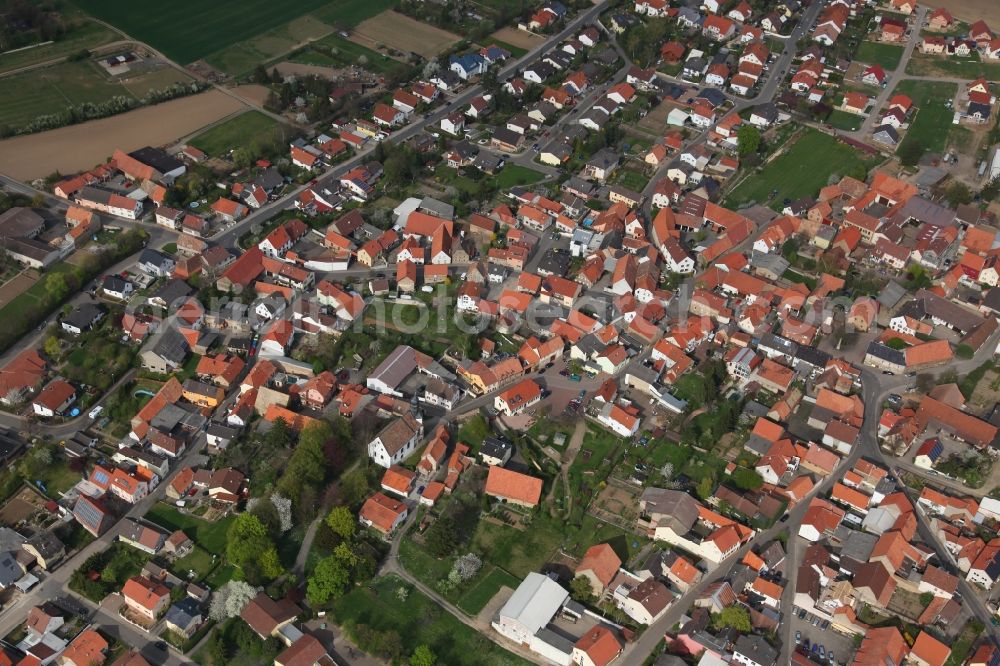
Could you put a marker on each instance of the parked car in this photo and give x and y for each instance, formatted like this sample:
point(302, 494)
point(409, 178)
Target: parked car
point(575, 377)
point(798, 637)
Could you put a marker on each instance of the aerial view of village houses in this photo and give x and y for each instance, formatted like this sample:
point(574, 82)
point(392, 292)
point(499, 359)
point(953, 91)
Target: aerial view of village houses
point(500, 332)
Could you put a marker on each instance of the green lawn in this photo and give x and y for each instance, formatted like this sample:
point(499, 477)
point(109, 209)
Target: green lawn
point(187, 30)
point(52, 89)
point(965, 68)
point(932, 122)
point(477, 596)
point(593, 463)
point(874, 53)
point(519, 551)
point(472, 596)
point(633, 180)
point(801, 170)
point(417, 620)
point(210, 536)
point(243, 130)
point(198, 560)
point(83, 35)
point(515, 174)
point(335, 51)
point(843, 120)
point(58, 477)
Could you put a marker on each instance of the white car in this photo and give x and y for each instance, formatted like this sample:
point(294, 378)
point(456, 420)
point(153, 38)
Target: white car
point(95, 412)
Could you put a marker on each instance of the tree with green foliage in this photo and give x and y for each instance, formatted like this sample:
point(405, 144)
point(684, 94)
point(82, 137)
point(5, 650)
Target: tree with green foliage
point(441, 538)
point(910, 152)
point(746, 479)
point(307, 466)
point(736, 617)
point(329, 580)
point(423, 656)
point(342, 522)
point(957, 194)
point(580, 589)
point(747, 139)
point(705, 487)
point(56, 287)
point(52, 347)
point(896, 343)
point(250, 547)
point(965, 351)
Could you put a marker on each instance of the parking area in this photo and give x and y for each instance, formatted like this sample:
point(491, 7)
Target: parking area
point(810, 634)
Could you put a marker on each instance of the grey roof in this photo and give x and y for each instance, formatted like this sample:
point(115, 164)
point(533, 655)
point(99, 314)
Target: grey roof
point(170, 345)
point(183, 613)
point(438, 208)
point(10, 540)
point(554, 640)
point(45, 543)
point(768, 112)
point(924, 210)
point(19, 222)
point(83, 315)
point(769, 261)
point(891, 294)
point(114, 283)
point(172, 291)
point(881, 351)
point(679, 508)
point(495, 447)
point(10, 570)
point(953, 314)
point(811, 355)
point(578, 184)
point(154, 257)
point(756, 649)
point(776, 342)
point(157, 158)
point(604, 159)
point(270, 179)
point(858, 545)
point(890, 135)
point(396, 367)
point(535, 601)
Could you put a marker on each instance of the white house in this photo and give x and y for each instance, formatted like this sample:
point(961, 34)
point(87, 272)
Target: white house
point(396, 441)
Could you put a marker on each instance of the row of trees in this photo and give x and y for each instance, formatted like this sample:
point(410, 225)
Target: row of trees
point(80, 113)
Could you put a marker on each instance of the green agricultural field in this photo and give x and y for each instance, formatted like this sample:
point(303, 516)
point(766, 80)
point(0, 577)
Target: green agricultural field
point(932, 122)
point(82, 35)
point(188, 30)
point(349, 13)
point(240, 58)
point(873, 53)
point(335, 51)
point(52, 89)
point(801, 170)
point(245, 129)
point(946, 67)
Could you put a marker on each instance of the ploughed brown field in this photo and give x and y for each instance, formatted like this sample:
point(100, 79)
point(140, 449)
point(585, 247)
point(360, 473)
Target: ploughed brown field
point(402, 33)
point(80, 147)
